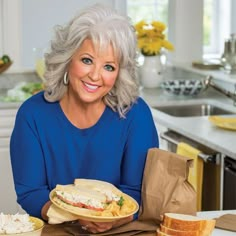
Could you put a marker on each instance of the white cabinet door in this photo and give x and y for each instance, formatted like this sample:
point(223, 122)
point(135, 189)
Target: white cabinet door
point(8, 204)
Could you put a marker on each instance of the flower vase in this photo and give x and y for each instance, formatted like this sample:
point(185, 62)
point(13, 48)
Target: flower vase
point(151, 72)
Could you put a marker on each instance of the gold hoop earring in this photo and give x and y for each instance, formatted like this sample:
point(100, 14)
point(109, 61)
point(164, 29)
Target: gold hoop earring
point(66, 79)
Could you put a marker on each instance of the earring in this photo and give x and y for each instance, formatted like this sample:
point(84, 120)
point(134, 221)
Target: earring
point(65, 79)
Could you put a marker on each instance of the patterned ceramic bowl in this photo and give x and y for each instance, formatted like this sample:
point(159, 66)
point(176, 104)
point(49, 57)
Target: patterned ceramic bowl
point(183, 87)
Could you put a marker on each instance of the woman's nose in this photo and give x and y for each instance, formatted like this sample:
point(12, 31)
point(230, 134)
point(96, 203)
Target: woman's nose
point(95, 74)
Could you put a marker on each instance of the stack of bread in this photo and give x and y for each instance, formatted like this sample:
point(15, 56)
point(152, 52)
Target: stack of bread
point(185, 225)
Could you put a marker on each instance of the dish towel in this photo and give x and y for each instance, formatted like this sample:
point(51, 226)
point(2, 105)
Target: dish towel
point(195, 176)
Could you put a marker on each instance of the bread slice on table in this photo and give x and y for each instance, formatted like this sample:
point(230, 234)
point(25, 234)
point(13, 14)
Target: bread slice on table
point(174, 232)
point(186, 225)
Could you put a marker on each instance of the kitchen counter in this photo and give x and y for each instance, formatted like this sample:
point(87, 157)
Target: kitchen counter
point(199, 129)
point(216, 214)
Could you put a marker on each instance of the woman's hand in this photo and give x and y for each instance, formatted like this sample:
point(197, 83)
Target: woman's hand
point(98, 227)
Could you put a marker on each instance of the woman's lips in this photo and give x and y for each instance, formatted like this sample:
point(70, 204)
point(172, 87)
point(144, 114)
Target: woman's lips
point(90, 87)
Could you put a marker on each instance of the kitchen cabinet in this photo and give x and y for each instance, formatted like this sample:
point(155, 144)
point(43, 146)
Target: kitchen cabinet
point(8, 204)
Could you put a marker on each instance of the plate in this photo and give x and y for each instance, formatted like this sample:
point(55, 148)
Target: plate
point(94, 218)
point(223, 122)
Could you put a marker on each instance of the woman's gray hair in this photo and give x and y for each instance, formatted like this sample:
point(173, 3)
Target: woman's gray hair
point(103, 26)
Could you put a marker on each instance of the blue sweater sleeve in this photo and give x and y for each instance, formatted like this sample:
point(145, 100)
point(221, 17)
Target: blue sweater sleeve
point(28, 165)
point(142, 135)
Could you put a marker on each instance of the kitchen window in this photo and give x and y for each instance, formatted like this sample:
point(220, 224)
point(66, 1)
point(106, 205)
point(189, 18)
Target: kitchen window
point(216, 19)
point(216, 25)
point(148, 9)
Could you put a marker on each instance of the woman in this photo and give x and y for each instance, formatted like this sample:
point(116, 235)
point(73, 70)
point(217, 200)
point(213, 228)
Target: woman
point(89, 122)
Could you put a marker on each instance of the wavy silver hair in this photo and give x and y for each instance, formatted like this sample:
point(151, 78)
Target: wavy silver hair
point(103, 26)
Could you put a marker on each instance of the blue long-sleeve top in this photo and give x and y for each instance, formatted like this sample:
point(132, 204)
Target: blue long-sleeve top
point(46, 150)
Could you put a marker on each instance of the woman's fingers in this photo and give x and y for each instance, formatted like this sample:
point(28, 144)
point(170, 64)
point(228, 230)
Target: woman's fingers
point(95, 227)
point(99, 227)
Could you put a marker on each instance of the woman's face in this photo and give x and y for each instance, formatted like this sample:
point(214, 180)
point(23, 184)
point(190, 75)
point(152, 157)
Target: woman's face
point(92, 75)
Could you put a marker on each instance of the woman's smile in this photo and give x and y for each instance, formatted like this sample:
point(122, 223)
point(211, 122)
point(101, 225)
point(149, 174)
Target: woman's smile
point(90, 87)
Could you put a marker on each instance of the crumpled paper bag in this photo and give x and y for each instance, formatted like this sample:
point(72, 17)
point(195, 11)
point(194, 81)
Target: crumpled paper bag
point(139, 228)
point(165, 187)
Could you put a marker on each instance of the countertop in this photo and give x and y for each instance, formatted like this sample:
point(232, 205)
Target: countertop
point(199, 129)
point(216, 214)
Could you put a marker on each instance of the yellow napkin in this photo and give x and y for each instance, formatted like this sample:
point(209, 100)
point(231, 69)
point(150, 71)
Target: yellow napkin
point(58, 216)
point(195, 176)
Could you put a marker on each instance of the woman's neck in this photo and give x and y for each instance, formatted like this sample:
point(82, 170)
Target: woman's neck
point(82, 115)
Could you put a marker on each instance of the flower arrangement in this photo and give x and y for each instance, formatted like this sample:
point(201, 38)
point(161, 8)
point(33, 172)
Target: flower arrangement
point(151, 37)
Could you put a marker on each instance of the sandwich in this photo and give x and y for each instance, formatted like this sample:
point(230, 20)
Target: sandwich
point(92, 198)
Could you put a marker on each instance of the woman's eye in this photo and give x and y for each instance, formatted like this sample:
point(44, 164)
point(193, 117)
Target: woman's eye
point(87, 61)
point(109, 68)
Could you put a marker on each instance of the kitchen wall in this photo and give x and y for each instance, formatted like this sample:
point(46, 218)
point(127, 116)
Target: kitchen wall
point(28, 24)
point(39, 18)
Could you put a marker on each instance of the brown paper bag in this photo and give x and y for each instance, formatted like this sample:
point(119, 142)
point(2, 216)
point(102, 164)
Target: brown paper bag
point(130, 229)
point(165, 187)
point(133, 228)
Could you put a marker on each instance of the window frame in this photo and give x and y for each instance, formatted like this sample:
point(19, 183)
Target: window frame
point(222, 27)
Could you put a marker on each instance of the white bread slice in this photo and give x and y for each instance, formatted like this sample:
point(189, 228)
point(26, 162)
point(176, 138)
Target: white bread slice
point(170, 231)
point(174, 232)
point(184, 222)
point(96, 185)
